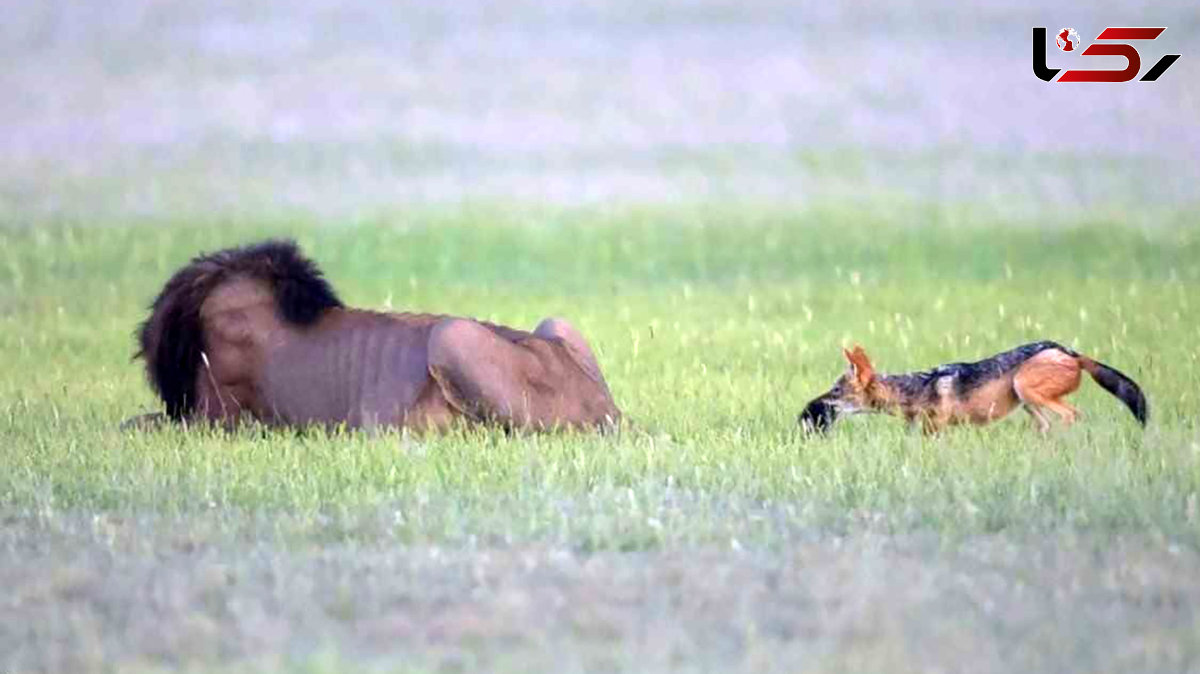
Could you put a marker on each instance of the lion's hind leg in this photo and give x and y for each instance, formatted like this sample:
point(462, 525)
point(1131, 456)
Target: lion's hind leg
point(530, 382)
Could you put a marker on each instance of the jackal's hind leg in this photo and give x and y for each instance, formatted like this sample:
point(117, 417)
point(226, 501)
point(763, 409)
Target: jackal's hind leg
point(1065, 411)
point(1039, 418)
point(1044, 379)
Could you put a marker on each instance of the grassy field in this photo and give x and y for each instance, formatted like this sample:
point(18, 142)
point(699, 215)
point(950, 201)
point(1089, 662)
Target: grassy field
point(720, 194)
point(709, 536)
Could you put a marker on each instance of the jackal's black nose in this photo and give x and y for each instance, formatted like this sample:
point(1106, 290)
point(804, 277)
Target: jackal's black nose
point(817, 416)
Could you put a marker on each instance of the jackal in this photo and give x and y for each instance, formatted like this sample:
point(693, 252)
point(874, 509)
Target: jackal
point(1035, 376)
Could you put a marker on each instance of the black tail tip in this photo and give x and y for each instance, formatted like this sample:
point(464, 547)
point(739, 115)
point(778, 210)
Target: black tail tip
point(1136, 402)
point(1142, 415)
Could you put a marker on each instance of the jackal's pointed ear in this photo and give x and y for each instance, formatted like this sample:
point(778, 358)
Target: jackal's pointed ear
point(860, 365)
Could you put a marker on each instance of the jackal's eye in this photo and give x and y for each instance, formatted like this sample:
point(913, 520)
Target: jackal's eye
point(839, 386)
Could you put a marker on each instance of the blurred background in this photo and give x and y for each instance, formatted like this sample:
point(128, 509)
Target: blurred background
point(145, 109)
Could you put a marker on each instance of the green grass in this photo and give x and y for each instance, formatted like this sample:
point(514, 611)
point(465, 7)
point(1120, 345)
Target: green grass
point(714, 328)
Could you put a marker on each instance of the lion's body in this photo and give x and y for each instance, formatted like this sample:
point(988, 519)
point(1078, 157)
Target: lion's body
point(256, 332)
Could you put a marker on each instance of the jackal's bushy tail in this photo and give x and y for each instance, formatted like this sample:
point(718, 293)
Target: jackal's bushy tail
point(171, 340)
point(1117, 383)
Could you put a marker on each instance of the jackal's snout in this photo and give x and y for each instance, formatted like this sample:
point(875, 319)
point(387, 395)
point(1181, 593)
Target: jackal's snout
point(818, 415)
